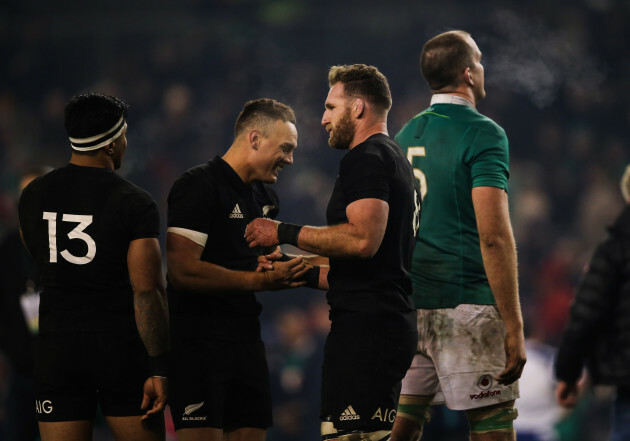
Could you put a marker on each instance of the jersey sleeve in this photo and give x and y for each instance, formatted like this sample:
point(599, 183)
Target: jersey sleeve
point(365, 175)
point(143, 219)
point(489, 159)
point(192, 204)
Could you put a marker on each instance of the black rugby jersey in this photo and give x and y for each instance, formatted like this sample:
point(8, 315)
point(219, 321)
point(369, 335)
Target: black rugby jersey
point(77, 223)
point(212, 199)
point(378, 287)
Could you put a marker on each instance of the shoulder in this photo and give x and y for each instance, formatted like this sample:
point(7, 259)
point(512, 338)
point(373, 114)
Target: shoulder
point(199, 172)
point(486, 125)
point(128, 200)
point(377, 156)
point(378, 146)
point(202, 175)
point(128, 189)
point(381, 150)
point(122, 190)
point(199, 187)
point(44, 181)
point(410, 127)
point(609, 255)
point(614, 248)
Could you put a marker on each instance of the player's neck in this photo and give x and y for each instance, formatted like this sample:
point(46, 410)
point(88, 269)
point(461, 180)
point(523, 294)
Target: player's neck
point(363, 133)
point(238, 162)
point(96, 161)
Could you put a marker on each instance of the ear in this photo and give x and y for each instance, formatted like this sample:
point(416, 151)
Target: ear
point(358, 107)
point(109, 149)
point(254, 138)
point(467, 76)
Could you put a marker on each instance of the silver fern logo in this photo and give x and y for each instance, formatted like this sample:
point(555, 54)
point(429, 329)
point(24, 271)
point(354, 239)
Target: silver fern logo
point(190, 409)
point(266, 209)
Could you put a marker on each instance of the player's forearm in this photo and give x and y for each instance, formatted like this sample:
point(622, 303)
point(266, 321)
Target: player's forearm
point(343, 240)
point(499, 259)
point(207, 277)
point(151, 310)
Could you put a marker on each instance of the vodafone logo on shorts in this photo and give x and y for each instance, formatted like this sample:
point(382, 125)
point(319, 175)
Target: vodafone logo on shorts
point(485, 383)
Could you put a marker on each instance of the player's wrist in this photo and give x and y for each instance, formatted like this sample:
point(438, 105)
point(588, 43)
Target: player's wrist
point(158, 365)
point(265, 281)
point(312, 277)
point(514, 327)
point(288, 233)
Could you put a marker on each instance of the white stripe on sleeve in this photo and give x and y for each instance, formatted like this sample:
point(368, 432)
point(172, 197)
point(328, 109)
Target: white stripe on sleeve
point(195, 236)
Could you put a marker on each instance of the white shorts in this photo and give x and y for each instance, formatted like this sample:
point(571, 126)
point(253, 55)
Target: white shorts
point(460, 352)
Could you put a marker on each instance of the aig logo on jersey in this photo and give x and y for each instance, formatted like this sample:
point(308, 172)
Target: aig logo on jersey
point(385, 415)
point(236, 213)
point(45, 406)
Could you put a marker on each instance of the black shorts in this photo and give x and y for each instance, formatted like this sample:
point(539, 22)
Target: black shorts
point(362, 374)
point(74, 372)
point(220, 384)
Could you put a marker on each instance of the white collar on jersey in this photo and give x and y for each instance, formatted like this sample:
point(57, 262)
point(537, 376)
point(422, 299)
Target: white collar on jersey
point(447, 98)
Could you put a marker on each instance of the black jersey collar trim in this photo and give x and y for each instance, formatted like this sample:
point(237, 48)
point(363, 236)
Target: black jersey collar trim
point(85, 167)
point(229, 172)
point(369, 139)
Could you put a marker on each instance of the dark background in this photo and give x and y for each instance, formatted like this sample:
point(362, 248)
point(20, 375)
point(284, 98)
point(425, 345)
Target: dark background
point(556, 80)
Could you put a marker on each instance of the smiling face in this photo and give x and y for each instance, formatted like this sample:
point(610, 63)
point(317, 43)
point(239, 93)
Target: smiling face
point(337, 119)
point(274, 150)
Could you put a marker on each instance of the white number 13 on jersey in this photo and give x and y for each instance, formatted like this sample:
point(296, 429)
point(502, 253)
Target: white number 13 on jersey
point(76, 233)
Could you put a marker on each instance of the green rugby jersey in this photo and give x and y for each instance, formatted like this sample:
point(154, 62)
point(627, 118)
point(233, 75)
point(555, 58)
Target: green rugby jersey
point(452, 149)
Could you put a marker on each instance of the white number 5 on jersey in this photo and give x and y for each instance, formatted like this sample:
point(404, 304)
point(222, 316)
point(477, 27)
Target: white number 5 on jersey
point(420, 176)
point(76, 233)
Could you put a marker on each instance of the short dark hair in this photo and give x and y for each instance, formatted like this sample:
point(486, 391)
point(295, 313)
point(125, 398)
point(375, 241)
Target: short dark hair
point(260, 112)
point(361, 80)
point(90, 114)
point(444, 57)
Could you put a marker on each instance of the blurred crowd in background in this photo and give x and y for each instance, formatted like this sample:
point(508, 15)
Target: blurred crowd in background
point(556, 80)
